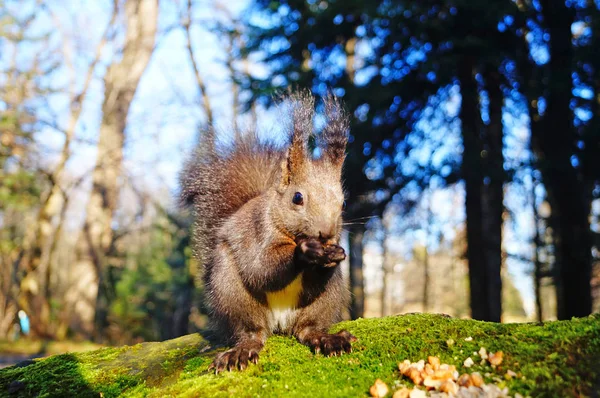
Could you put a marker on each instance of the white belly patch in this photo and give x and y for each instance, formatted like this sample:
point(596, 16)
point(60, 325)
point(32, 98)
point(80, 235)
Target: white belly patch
point(283, 304)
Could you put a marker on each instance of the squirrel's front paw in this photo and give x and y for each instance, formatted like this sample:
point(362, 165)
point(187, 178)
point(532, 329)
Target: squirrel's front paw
point(311, 251)
point(335, 254)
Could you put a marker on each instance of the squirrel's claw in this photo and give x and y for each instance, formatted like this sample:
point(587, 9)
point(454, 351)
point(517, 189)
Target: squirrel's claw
point(332, 344)
point(235, 358)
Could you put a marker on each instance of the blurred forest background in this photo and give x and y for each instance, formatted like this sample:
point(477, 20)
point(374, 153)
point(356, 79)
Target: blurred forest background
point(473, 175)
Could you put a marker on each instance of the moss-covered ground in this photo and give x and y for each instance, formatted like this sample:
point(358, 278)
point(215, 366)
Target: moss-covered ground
point(560, 359)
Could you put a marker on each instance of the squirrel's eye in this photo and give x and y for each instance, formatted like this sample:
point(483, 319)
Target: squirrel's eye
point(298, 199)
point(344, 206)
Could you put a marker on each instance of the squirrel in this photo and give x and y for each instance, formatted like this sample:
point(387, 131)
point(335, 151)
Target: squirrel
point(267, 228)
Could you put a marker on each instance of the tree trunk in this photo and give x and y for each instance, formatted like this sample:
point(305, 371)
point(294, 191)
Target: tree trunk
point(472, 174)
point(537, 264)
point(567, 193)
point(357, 306)
point(385, 268)
point(426, 279)
point(493, 194)
point(426, 265)
point(88, 295)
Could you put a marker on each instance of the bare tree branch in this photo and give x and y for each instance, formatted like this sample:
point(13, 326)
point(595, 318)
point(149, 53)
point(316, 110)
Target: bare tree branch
point(187, 23)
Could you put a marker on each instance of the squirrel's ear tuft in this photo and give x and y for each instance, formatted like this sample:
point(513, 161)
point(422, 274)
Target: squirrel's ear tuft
point(335, 133)
point(302, 110)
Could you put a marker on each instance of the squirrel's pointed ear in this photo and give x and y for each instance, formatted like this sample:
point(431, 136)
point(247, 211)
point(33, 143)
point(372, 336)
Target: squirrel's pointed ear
point(302, 121)
point(335, 133)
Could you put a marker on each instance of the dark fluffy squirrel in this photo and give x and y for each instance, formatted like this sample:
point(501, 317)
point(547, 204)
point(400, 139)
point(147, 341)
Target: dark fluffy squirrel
point(267, 229)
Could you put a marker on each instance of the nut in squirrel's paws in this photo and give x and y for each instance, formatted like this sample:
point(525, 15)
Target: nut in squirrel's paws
point(332, 344)
point(312, 251)
point(235, 358)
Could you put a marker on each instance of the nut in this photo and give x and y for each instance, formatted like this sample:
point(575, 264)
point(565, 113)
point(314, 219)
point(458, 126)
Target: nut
point(443, 374)
point(402, 393)
point(465, 380)
point(404, 366)
point(495, 359)
point(449, 387)
point(379, 389)
point(434, 362)
point(416, 393)
point(432, 383)
point(476, 379)
point(483, 353)
point(415, 376)
point(428, 370)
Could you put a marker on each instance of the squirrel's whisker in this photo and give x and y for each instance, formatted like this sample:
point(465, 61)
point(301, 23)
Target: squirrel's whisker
point(362, 218)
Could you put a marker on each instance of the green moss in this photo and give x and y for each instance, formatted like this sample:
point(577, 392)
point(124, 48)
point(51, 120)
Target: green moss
point(551, 359)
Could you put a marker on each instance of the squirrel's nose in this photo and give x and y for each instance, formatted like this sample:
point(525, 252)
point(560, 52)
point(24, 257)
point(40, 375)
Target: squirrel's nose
point(325, 234)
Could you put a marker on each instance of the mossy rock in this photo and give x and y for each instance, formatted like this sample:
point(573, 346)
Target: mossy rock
point(559, 359)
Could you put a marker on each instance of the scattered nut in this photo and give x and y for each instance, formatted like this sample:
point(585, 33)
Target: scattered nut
point(432, 383)
point(449, 387)
point(379, 389)
point(402, 393)
point(420, 365)
point(443, 374)
point(468, 362)
point(441, 379)
point(415, 376)
point(469, 338)
point(434, 362)
point(495, 359)
point(483, 353)
point(416, 393)
point(404, 366)
point(428, 370)
point(476, 379)
point(465, 380)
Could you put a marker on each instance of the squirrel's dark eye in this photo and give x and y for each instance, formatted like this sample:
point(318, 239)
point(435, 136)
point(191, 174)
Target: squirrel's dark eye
point(298, 199)
point(344, 206)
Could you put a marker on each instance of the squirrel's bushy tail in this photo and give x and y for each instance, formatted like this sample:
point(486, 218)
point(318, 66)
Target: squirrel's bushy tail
point(217, 182)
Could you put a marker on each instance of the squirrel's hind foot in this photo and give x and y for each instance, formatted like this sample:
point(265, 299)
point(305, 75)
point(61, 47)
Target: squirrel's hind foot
point(330, 344)
point(237, 358)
